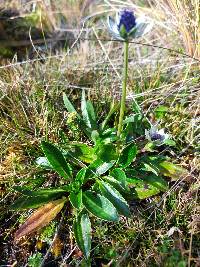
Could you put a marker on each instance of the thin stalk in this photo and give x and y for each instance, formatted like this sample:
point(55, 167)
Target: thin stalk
point(124, 84)
point(113, 109)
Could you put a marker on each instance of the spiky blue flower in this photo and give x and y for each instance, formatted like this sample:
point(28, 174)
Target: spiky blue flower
point(127, 21)
point(127, 26)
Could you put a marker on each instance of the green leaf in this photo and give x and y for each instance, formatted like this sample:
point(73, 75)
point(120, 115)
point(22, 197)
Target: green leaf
point(172, 170)
point(127, 156)
point(44, 163)
point(88, 113)
point(119, 175)
point(133, 119)
point(143, 193)
point(71, 109)
point(136, 108)
point(169, 142)
point(160, 112)
point(150, 147)
point(115, 198)
point(91, 115)
point(46, 191)
point(148, 186)
point(99, 167)
point(132, 32)
point(106, 152)
point(94, 136)
point(113, 109)
point(123, 32)
point(76, 199)
point(26, 202)
point(56, 159)
point(134, 181)
point(81, 175)
point(156, 181)
point(82, 233)
point(109, 137)
point(136, 125)
point(100, 206)
point(81, 151)
point(150, 168)
point(104, 167)
point(124, 191)
point(108, 132)
point(68, 105)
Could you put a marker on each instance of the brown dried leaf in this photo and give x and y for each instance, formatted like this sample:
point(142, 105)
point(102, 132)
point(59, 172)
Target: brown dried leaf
point(40, 218)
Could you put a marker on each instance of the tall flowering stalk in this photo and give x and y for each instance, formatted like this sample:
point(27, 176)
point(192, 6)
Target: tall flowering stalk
point(124, 28)
point(124, 85)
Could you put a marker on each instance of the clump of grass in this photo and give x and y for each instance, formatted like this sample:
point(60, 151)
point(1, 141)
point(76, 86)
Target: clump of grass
point(185, 17)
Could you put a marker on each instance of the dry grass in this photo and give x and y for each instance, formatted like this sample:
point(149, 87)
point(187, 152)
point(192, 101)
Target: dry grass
point(184, 15)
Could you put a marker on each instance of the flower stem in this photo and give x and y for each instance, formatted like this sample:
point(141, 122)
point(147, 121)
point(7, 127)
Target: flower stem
point(123, 97)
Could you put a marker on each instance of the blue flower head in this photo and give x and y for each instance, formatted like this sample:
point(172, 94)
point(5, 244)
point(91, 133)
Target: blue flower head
point(155, 135)
point(127, 26)
point(127, 22)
